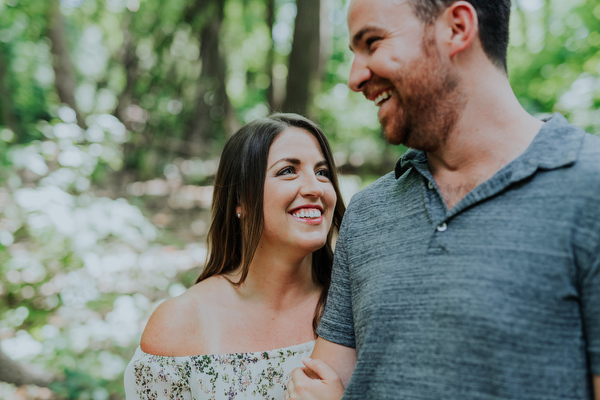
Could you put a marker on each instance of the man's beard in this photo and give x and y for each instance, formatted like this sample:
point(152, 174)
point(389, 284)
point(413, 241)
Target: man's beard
point(430, 101)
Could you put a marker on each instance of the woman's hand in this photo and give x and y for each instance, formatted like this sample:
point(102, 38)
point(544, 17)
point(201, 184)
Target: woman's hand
point(315, 381)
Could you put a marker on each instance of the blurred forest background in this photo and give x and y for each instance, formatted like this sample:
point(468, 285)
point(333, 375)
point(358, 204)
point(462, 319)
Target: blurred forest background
point(112, 117)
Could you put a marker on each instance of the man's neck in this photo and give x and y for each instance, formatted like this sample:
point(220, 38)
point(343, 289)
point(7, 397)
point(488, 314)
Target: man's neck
point(492, 131)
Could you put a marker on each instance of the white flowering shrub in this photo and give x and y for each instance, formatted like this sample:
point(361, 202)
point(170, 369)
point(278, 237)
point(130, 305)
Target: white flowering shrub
point(79, 273)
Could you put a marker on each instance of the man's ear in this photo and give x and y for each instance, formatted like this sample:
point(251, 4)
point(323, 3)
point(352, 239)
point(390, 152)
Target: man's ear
point(461, 19)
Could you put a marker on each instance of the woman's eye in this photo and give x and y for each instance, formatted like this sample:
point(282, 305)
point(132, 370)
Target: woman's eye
point(324, 172)
point(286, 171)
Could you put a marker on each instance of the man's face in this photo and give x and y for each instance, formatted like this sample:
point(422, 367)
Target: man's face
point(398, 66)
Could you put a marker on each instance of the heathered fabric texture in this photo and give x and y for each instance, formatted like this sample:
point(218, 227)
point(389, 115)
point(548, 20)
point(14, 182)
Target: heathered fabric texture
point(501, 302)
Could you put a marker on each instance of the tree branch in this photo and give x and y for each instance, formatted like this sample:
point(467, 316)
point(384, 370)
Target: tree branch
point(20, 374)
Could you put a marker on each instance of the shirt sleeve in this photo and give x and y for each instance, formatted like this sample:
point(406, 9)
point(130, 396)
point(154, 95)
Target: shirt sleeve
point(337, 323)
point(156, 377)
point(587, 256)
point(590, 299)
point(589, 283)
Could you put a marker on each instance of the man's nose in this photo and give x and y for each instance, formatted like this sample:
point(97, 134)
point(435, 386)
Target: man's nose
point(359, 74)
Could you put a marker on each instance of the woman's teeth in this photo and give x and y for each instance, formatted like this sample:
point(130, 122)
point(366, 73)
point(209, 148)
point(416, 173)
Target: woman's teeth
point(312, 213)
point(382, 97)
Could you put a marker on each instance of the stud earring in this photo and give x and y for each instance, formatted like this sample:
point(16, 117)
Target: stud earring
point(239, 215)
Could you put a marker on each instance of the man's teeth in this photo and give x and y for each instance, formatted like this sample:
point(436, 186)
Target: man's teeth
point(382, 96)
point(312, 213)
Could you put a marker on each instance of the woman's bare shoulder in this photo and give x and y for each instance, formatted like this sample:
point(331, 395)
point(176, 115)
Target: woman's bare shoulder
point(175, 328)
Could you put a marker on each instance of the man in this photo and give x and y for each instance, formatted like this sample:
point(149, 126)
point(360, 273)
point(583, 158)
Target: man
point(473, 270)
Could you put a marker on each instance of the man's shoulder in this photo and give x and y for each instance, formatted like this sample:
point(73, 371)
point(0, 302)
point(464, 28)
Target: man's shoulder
point(565, 131)
point(572, 157)
point(375, 189)
point(589, 157)
point(566, 144)
point(372, 206)
point(586, 168)
point(584, 176)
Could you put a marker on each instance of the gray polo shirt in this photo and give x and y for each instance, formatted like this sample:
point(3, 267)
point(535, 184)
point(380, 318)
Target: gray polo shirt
point(498, 298)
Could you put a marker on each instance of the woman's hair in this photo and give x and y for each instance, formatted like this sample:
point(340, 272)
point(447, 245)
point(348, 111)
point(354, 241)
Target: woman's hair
point(240, 179)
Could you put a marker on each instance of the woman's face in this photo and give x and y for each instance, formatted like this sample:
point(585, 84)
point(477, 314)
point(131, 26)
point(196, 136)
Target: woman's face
point(299, 198)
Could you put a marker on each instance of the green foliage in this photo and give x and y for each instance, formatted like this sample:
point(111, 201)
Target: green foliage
point(554, 59)
point(75, 384)
point(81, 267)
point(77, 271)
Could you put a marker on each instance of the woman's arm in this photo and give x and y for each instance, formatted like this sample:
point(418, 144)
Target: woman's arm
point(340, 358)
point(325, 375)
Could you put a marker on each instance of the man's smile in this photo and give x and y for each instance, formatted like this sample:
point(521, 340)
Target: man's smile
point(382, 97)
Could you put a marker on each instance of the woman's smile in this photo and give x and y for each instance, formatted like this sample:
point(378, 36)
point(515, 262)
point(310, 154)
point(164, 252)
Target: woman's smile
point(297, 186)
point(308, 215)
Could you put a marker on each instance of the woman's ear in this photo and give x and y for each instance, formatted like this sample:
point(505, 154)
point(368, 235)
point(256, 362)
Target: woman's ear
point(461, 19)
point(238, 211)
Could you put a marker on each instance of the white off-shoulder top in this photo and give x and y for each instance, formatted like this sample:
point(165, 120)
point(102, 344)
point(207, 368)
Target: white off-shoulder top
point(258, 375)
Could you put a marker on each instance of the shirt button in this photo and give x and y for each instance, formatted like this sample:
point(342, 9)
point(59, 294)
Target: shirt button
point(442, 227)
point(430, 185)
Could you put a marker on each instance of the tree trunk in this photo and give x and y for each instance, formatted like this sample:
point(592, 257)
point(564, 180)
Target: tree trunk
point(326, 38)
point(6, 110)
point(63, 68)
point(304, 57)
point(212, 104)
point(271, 54)
point(129, 60)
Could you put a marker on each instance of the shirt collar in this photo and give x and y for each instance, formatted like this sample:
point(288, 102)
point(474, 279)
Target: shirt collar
point(556, 145)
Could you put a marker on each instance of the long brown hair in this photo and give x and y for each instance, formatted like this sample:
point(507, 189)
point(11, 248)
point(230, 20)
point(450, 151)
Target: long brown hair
point(240, 182)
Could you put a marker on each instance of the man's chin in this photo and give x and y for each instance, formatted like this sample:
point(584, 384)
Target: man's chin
point(392, 139)
point(391, 132)
point(393, 126)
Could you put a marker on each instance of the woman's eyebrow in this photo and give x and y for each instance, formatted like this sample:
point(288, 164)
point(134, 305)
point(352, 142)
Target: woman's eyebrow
point(294, 161)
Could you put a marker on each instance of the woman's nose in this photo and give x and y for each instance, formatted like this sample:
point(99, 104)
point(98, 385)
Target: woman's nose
point(311, 187)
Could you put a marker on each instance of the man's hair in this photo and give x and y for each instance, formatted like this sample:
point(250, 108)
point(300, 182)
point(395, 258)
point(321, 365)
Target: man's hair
point(493, 16)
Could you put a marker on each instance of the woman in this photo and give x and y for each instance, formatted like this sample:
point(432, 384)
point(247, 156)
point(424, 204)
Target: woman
point(251, 317)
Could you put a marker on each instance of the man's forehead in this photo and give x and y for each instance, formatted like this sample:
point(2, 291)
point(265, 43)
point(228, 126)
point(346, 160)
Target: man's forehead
point(375, 4)
point(367, 15)
point(371, 12)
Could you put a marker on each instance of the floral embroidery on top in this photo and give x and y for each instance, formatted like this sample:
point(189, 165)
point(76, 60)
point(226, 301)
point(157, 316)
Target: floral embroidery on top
point(258, 375)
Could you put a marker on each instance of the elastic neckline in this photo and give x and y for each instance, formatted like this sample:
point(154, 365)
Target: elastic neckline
point(274, 353)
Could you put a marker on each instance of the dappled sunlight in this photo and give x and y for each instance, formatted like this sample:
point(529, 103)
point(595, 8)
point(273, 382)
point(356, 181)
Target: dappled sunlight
point(112, 120)
point(88, 267)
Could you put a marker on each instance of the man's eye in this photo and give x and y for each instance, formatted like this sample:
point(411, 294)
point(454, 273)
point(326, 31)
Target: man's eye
point(369, 42)
point(286, 171)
